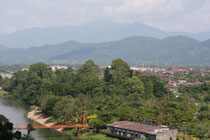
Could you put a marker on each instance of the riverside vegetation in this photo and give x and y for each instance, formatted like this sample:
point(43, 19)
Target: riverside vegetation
point(7, 133)
point(109, 95)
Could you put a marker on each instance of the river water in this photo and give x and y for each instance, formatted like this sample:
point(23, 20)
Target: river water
point(16, 112)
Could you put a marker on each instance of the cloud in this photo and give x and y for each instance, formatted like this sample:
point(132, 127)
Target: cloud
point(195, 17)
point(165, 14)
point(146, 7)
point(171, 15)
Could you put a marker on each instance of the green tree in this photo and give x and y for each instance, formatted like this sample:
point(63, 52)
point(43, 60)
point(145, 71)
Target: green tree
point(1, 79)
point(42, 70)
point(29, 129)
point(47, 103)
point(17, 135)
point(6, 130)
point(66, 110)
point(134, 85)
point(159, 88)
point(107, 75)
point(120, 70)
point(148, 86)
point(89, 67)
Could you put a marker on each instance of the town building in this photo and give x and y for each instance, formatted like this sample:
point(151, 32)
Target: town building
point(57, 67)
point(6, 75)
point(134, 131)
point(172, 84)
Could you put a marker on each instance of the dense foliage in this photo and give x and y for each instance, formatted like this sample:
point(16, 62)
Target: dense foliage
point(114, 94)
point(6, 128)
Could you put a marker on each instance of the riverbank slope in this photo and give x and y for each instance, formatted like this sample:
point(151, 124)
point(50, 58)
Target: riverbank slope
point(41, 118)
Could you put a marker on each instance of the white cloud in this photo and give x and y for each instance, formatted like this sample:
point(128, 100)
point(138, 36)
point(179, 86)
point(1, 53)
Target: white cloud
point(171, 15)
point(145, 7)
point(194, 20)
point(165, 14)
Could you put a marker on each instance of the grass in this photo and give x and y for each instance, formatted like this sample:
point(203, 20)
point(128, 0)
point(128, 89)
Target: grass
point(92, 136)
point(71, 132)
point(88, 136)
point(3, 93)
point(182, 136)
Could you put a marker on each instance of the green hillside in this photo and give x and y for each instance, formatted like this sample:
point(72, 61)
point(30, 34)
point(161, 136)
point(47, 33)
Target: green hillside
point(178, 50)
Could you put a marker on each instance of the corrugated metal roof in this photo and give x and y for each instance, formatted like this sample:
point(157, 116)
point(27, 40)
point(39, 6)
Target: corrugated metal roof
point(139, 127)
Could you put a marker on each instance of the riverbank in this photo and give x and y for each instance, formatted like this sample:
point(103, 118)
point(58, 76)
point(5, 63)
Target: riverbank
point(4, 93)
point(16, 111)
point(41, 118)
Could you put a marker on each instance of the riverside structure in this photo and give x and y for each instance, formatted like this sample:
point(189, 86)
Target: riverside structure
point(133, 131)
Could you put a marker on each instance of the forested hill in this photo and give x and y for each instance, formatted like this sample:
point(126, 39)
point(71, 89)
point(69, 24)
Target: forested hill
point(180, 50)
point(93, 32)
point(111, 95)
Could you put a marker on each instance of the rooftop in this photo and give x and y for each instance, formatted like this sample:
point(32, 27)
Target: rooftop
point(138, 127)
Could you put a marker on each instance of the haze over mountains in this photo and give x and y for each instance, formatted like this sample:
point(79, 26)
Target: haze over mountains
point(93, 32)
point(179, 50)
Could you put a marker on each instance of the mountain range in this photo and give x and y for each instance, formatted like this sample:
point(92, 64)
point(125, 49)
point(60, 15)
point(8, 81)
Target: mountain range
point(173, 50)
point(93, 32)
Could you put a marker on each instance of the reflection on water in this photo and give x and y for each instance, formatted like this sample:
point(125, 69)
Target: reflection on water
point(16, 112)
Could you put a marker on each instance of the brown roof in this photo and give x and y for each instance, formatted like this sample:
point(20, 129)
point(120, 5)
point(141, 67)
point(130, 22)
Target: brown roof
point(139, 127)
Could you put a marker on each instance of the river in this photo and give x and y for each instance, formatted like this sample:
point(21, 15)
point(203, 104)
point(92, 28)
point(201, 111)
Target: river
point(16, 112)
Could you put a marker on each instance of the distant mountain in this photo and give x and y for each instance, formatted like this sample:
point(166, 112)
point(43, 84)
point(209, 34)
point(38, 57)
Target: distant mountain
point(179, 50)
point(3, 48)
point(93, 32)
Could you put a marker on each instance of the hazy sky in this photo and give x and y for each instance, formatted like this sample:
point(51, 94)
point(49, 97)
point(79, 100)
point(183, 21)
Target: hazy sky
point(170, 15)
